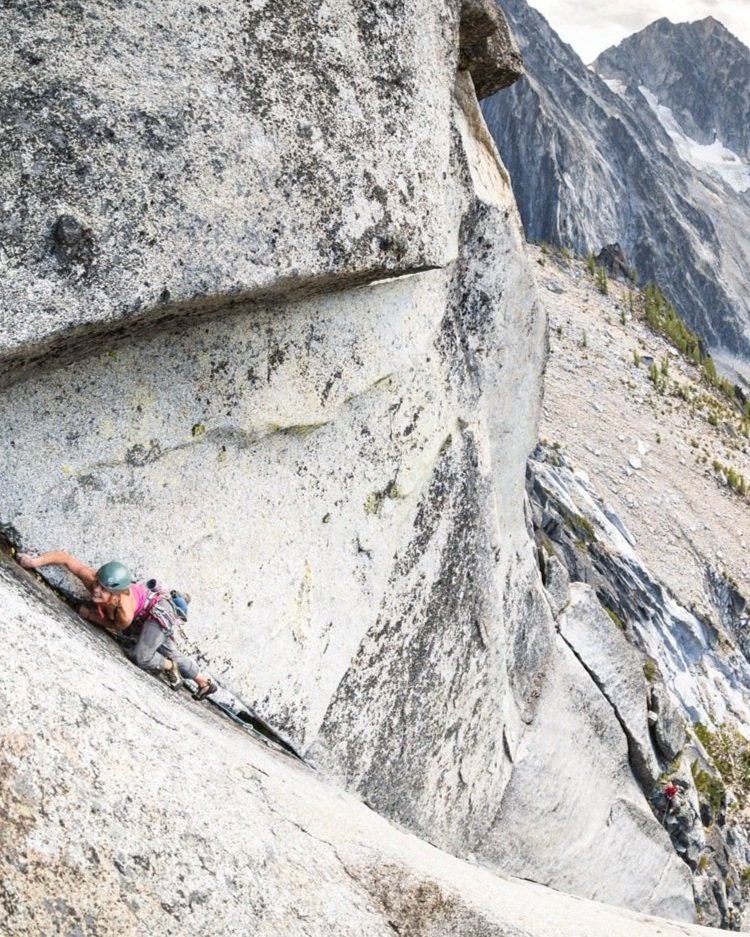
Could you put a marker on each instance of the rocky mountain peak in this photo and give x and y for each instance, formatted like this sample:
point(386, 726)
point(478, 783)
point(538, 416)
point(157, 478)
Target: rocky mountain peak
point(698, 70)
point(710, 23)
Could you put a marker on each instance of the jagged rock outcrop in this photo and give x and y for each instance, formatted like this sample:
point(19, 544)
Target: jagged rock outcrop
point(592, 164)
point(487, 48)
point(668, 725)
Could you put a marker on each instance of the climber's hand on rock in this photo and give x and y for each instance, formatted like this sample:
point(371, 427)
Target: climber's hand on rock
point(27, 561)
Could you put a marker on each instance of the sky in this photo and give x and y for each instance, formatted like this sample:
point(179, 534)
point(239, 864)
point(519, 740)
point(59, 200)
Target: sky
point(591, 26)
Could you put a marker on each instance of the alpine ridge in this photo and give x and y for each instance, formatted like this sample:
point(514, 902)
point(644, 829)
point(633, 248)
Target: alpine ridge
point(699, 70)
point(592, 162)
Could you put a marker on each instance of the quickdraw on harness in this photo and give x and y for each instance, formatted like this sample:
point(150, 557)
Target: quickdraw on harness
point(159, 609)
point(178, 600)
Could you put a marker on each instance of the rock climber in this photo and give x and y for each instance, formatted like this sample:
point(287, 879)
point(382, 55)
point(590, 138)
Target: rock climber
point(119, 603)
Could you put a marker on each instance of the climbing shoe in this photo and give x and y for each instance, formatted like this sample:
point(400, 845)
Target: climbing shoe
point(172, 676)
point(204, 691)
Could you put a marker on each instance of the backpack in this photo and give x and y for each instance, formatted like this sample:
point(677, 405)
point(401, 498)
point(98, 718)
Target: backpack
point(178, 600)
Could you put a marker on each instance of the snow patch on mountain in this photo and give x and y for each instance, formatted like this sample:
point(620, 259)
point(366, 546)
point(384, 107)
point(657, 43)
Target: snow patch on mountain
point(713, 158)
point(614, 84)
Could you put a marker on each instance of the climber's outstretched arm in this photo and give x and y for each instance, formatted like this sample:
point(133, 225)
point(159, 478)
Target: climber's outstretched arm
point(60, 558)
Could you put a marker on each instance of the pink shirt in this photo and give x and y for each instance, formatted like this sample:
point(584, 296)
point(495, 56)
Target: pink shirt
point(140, 594)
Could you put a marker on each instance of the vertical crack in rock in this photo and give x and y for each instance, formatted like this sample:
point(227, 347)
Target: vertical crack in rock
point(643, 768)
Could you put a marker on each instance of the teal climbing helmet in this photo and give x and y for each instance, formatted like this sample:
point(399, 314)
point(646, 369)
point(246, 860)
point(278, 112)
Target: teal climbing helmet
point(114, 576)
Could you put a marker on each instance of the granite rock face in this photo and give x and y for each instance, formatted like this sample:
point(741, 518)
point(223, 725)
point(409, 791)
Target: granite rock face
point(335, 458)
point(663, 673)
point(261, 149)
point(576, 820)
point(616, 668)
point(323, 439)
point(125, 810)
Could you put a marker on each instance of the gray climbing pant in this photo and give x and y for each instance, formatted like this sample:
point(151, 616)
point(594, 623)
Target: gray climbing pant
point(153, 645)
